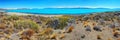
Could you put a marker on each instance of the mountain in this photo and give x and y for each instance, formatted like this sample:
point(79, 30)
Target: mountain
point(77, 8)
point(2, 9)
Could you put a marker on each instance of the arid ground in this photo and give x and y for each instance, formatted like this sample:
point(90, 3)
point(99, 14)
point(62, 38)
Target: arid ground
point(95, 26)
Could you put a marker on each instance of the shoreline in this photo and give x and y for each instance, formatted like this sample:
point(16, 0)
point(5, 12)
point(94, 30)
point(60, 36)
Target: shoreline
point(15, 13)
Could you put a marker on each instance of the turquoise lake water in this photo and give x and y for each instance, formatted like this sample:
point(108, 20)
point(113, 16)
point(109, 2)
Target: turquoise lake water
point(58, 11)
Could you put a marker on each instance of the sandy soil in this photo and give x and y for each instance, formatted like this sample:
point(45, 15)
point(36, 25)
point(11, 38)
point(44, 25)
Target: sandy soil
point(14, 13)
point(79, 33)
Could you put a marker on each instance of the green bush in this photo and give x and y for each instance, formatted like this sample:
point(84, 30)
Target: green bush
point(62, 22)
point(26, 24)
point(58, 22)
point(12, 17)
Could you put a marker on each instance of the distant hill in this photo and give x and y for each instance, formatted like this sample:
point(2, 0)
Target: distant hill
point(53, 8)
point(67, 8)
point(2, 9)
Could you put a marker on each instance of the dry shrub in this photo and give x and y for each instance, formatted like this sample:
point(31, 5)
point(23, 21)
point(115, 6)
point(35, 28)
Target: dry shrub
point(2, 26)
point(70, 29)
point(26, 24)
point(62, 36)
point(27, 34)
point(47, 31)
point(53, 36)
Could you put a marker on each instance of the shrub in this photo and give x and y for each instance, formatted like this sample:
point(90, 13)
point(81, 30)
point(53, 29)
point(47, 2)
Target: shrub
point(26, 24)
point(60, 22)
point(63, 22)
point(12, 17)
point(57, 23)
point(47, 31)
point(2, 26)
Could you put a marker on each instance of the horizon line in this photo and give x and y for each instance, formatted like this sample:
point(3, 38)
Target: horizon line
point(61, 7)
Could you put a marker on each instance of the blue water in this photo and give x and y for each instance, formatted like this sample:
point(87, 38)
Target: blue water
point(58, 11)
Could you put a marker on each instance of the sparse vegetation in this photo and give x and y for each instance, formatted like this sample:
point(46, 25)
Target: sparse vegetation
point(66, 27)
point(12, 17)
point(26, 24)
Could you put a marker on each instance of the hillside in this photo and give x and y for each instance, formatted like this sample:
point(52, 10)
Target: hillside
point(95, 26)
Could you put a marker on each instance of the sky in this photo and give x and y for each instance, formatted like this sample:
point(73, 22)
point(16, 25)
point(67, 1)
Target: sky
point(59, 3)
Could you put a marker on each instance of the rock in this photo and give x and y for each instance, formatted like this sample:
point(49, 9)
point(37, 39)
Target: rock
point(116, 24)
point(116, 34)
point(1, 30)
point(85, 18)
point(99, 37)
point(14, 36)
point(97, 28)
point(111, 26)
point(88, 28)
point(117, 14)
point(101, 21)
point(83, 36)
point(71, 21)
point(97, 17)
point(38, 21)
point(77, 22)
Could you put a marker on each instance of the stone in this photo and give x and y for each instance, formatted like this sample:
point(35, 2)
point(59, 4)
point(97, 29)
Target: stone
point(116, 34)
point(88, 28)
point(14, 36)
point(97, 28)
point(99, 37)
point(83, 36)
point(116, 24)
point(111, 26)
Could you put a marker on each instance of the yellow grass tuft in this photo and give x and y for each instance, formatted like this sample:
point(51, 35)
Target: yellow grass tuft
point(46, 31)
point(53, 36)
point(62, 36)
point(27, 34)
point(2, 26)
point(70, 29)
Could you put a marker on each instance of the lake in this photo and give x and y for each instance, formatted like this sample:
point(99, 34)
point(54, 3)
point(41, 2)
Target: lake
point(62, 11)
